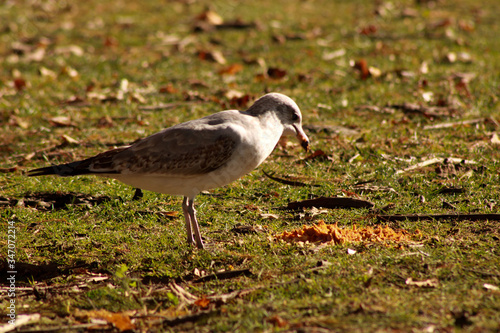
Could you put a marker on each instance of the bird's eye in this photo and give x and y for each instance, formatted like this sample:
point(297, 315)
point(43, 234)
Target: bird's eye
point(295, 116)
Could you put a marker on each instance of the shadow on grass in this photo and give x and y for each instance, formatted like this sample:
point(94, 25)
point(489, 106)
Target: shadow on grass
point(46, 201)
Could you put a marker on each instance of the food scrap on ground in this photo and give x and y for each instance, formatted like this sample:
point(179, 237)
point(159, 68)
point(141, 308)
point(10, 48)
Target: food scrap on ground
point(331, 233)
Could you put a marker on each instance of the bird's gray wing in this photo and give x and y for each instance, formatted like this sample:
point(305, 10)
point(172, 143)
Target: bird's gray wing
point(177, 150)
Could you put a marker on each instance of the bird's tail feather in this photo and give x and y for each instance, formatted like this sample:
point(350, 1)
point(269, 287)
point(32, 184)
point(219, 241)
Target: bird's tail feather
point(64, 170)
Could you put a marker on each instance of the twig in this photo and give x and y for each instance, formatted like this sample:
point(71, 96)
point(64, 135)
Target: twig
point(454, 124)
point(434, 161)
point(418, 217)
point(288, 182)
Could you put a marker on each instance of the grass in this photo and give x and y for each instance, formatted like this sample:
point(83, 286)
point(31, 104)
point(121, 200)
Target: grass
point(98, 65)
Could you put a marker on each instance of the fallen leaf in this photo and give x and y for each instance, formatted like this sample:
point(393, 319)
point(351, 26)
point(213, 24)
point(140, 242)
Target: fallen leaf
point(168, 88)
point(277, 321)
point(61, 121)
point(214, 55)
point(16, 121)
point(69, 71)
point(202, 302)
point(69, 140)
point(69, 49)
point(121, 321)
point(492, 287)
point(495, 139)
point(334, 54)
point(8, 170)
point(317, 155)
point(276, 73)
point(110, 41)
point(362, 66)
point(105, 122)
point(368, 30)
point(210, 17)
point(231, 70)
point(430, 283)
point(269, 216)
point(19, 83)
point(45, 72)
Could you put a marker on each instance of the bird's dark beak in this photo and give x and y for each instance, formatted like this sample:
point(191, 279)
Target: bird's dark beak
point(303, 139)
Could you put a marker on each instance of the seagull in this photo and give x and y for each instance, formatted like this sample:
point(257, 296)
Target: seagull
point(197, 155)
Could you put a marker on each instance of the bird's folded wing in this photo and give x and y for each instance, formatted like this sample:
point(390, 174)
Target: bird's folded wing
point(170, 152)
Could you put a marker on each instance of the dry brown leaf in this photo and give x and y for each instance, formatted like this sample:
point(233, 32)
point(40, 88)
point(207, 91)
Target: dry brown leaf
point(362, 66)
point(276, 73)
point(231, 69)
point(121, 321)
point(368, 30)
point(317, 155)
point(16, 121)
point(269, 216)
point(105, 122)
point(19, 83)
point(168, 89)
point(214, 55)
point(202, 302)
point(209, 16)
point(61, 121)
point(277, 321)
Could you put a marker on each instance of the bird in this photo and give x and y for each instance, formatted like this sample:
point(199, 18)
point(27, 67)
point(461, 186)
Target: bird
point(196, 155)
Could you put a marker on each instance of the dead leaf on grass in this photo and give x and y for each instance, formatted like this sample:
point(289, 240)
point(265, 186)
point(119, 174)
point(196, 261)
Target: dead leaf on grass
point(213, 55)
point(231, 69)
point(276, 73)
point(61, 121)
point(372, 188)
point(277, 321)
point(267, 216)
point(368, 30)
point(318, 155)
point(202, 302)
point(17, 121)
point(430, 283)
point(120, 320)
point(495, 139)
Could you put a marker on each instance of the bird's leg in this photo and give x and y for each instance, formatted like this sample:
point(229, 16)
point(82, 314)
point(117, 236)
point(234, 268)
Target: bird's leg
point(194, 223)
point(187, 219)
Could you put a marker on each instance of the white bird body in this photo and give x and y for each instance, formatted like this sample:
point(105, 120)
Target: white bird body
point(197, 155)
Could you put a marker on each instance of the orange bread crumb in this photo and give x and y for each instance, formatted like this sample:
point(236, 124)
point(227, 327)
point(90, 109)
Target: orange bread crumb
point(325, 233)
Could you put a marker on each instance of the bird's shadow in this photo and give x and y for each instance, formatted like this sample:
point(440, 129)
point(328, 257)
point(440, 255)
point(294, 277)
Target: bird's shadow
point(47, 201)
